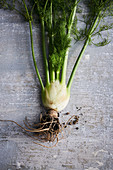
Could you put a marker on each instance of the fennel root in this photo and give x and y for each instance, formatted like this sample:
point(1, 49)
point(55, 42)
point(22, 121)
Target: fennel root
point(48, 129)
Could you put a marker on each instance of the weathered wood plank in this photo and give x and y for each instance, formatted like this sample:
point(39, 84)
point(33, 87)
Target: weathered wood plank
point(91, 146)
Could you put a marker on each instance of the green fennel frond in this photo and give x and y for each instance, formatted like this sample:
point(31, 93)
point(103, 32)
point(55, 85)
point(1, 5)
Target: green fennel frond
point(98, 10)
point(93, 8)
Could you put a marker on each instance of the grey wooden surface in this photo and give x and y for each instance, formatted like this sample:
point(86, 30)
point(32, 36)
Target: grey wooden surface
point(88, 148)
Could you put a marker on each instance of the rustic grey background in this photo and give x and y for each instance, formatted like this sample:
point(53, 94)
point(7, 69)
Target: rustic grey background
point(88, 148)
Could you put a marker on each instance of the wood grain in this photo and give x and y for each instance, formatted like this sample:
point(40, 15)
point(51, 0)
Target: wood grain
point(87, 145)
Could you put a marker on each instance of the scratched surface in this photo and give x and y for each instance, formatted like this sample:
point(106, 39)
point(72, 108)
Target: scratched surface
point(85, 146)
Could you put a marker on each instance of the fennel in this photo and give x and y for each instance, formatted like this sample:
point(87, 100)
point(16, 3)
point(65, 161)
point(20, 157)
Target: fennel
point(58, 21)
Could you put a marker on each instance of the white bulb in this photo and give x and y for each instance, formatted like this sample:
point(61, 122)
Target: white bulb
point(55, 96)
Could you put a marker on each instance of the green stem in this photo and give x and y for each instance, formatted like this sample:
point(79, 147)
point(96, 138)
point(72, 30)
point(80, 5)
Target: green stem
point(26, 9)
point(52, 72)
point(64, 68)
point(44, 52)
point(82, 52)
point(45, 5)
point(32, 47)
point(58, 75)
point(77, 63)
point(34, 60)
